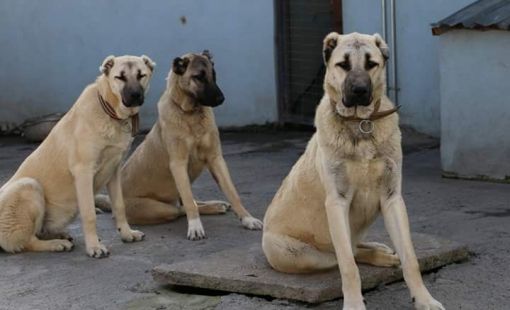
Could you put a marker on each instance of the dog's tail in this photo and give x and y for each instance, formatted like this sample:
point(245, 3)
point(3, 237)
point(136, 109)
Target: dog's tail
point(103, 203)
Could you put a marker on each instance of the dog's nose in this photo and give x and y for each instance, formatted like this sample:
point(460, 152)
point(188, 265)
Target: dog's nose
point(220, 98)
point(134, 99)
point(359, 90)
point(136, 95)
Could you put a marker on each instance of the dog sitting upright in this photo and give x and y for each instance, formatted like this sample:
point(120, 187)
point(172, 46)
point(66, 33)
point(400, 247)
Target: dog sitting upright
point(81, 154)
point(350, 172)
point(181, 144)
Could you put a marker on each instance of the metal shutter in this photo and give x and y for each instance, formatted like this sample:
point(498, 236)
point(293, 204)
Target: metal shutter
point(301, 25)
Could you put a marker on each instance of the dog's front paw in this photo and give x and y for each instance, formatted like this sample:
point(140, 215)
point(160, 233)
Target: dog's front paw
point(252, 223)
point(195, 230)
point(428, 303)
point(129, 235)
point(97, 251)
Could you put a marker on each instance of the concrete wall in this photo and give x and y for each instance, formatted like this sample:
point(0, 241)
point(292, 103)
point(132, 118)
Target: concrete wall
point(475, 106)
point(417, 64)
point(51, 49)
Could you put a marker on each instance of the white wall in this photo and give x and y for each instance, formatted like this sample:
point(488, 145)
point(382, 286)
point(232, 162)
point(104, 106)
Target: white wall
point(417, 64)
point(475, 103)
point(51, 49)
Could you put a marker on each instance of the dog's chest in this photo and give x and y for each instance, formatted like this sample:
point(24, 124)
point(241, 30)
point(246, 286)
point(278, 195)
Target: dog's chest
point(199, 149)
point(366, 178)
point(366, 173)
point(117, 132)
point(108, 161)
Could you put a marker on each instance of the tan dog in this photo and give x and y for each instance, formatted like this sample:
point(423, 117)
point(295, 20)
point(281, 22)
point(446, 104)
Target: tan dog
point(181, 144)
point(350, 172)
point(82, 154)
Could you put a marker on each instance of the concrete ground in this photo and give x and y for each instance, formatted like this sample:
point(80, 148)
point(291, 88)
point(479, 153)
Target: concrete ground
point(474, 213)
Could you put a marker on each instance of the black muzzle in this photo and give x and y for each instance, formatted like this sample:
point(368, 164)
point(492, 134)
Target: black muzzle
point(357, 89)
point(133, 96)
point(212, 96)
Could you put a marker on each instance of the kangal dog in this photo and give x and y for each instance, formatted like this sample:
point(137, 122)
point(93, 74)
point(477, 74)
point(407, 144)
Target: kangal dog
point(350, 172)
point(157, 178)
point(81, 154)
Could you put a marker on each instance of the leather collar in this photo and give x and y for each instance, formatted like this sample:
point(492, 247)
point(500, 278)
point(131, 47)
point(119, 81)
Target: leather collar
point(108, 109)
point(376, 114)
point(193, 110)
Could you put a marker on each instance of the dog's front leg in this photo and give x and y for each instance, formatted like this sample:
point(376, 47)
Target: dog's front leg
point(83, 181)
point(397, 224)
point(119, 209)
point(219, 171)
point(179, 169)
point(338, 200)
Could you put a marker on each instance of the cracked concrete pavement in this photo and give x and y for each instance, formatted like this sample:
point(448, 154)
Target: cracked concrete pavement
point(470, 212)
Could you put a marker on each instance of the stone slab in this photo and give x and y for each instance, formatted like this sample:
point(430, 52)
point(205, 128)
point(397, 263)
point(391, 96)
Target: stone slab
point(245, 270)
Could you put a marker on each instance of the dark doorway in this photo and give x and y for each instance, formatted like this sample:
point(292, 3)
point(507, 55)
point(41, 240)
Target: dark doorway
point(301, 25)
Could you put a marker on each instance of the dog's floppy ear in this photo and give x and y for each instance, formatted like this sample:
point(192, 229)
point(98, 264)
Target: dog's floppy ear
point(179, 65)
point(107, 65)
point(207, 54)
point(383, 47)
point(148, 62)
point(330, 42)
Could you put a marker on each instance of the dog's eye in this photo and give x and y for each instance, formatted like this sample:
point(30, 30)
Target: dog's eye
point(141, 76)
point(371, 64)
point(199, 77)
point(121, 77)
point(344, 65)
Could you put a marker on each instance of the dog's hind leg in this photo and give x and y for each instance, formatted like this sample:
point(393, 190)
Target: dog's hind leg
point(290, 255)
point(21, 218)
point(103, 203)
point(376, 245)
point(213, 207)
point(55, 245)
point(146, 211)
point(57, 235)
point(376, 254)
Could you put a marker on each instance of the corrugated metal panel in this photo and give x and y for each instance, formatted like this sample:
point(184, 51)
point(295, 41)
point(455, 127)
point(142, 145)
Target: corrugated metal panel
point(480, 15)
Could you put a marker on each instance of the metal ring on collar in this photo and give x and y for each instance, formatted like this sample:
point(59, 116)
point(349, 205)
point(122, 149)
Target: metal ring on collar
point(370, 126)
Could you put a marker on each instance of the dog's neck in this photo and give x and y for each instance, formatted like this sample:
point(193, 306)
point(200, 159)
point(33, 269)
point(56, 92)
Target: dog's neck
point(182, 100)
point(109, 101)
point(106, 93)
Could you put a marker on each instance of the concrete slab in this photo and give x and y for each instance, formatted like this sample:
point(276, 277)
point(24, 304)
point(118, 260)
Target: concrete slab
point(245, 270)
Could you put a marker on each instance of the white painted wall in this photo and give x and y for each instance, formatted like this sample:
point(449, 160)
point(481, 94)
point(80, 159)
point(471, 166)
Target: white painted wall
point(50, 50)
point(475, 103)
point(417, 63)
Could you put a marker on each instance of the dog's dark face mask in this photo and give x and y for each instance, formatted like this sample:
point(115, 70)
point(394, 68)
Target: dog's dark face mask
point(197, 78)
